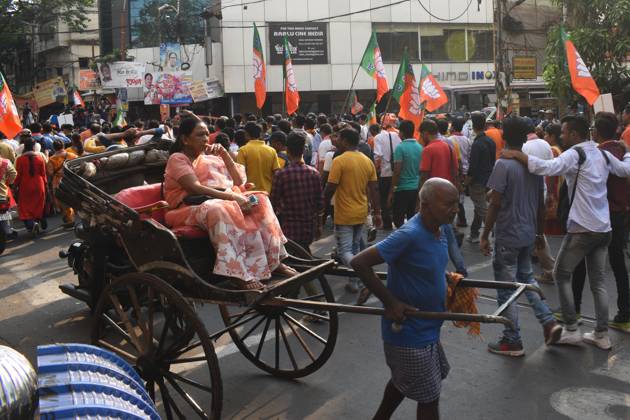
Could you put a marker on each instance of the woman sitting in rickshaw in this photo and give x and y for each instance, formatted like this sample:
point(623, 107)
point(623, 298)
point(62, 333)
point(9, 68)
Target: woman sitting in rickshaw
point(242, 226)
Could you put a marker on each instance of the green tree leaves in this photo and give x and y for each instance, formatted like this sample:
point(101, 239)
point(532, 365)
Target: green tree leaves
point(600, 30)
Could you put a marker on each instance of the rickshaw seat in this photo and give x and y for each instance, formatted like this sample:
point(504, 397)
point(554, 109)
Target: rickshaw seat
point(148, 201)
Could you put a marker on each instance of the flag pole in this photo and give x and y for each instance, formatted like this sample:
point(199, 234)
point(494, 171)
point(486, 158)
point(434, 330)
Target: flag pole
point(389, 101)
point(345, 103)
point(284, 95)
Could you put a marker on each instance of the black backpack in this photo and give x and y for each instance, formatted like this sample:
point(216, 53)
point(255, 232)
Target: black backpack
point(564, 201)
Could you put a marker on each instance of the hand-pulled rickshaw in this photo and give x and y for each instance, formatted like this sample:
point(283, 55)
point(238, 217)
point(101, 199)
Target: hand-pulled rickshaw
point(144, 282)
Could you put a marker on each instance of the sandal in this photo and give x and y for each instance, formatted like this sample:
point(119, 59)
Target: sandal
point(247, 285)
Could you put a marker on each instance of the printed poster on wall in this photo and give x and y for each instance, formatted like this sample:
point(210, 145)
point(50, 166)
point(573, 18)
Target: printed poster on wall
point(308, 42)
point(170, 57)
point(122, 74)
point(89, 80)
point(198, 91)
point(167, 88)
point(50, 91)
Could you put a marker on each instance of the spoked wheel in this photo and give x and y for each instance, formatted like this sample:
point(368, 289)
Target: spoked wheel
point(147, 322)
point(286, 341)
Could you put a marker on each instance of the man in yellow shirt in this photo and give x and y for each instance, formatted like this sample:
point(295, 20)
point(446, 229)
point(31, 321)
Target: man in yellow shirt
point(352, 177)
point(260, 160)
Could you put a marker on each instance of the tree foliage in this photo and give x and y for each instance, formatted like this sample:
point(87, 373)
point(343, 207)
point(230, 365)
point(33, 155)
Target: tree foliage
point(19, 19)
point(185, 27)
point(600, 30)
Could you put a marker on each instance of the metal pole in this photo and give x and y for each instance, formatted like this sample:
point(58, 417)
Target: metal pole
point(284, 95)
point(345, 103)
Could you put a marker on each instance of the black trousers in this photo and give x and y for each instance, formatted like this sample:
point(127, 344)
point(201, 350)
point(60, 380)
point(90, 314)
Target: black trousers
point(404, 206)
point(384, 185)
point(617, 263)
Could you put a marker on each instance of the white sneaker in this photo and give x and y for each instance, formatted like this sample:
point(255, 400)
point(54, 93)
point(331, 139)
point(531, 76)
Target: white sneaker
point(598, 338)
point(569, 337)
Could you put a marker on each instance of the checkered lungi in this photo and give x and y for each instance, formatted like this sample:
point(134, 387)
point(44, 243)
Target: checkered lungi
point(418, 372)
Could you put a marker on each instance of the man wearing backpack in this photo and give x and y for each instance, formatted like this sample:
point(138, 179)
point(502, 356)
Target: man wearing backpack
point(619, 204)
point(586, 170)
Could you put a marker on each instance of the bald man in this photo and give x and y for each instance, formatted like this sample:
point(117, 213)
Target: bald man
point(416, 257)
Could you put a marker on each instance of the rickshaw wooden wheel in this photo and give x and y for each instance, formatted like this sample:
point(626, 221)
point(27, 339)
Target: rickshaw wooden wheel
point(146, 321)
point(285, 341)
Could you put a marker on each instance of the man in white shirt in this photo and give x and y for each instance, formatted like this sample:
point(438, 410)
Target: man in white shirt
point(384, 146)
point(586, 170)
point(324, 146)
point(364, 127)
point(539, 148)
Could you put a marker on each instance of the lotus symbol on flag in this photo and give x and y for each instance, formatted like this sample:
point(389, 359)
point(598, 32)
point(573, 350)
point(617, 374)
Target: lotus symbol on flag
point(414, 104)
point(378, 62)
point(291, 79)
point(581, 67)
point(258, 66)
point(429, 89)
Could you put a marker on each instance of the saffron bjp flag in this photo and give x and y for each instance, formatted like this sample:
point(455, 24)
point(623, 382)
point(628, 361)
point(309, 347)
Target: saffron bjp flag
point(10, 123)
point(372, 63)
point(372, 115)
point(581, 79)
point(260, 71)
point(292, 96)
point(407, 94)
point(431, 92)
point(77, 99)
point(356, 105)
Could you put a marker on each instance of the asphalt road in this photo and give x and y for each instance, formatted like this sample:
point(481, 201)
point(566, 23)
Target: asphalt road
point(548, 383)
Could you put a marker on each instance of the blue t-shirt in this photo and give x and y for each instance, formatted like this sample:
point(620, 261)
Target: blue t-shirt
point(416, 265)
point(521, 192)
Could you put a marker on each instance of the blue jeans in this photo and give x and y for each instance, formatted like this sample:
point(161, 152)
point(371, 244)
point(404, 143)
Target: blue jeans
point(349, 241)
point(515, 265)
point(454, 253)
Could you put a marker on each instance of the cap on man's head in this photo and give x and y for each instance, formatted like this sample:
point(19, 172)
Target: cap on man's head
point(25, 133)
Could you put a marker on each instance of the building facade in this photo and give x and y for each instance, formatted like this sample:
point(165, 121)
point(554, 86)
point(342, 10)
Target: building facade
point(458, 52)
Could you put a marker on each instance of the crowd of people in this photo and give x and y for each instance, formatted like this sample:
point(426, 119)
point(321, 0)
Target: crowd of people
point(267, 179)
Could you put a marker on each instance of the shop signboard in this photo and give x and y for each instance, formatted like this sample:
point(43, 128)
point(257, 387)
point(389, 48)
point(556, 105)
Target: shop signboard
point(524, 67)
point(308, 42)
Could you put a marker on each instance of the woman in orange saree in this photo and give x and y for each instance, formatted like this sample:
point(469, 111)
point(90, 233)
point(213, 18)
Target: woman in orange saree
point(244, 231)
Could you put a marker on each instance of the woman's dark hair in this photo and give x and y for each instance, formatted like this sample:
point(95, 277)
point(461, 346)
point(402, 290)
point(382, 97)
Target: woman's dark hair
point(29, 146)
point(223, 140)
point(77, 143)
point(57, 145)
point(186, 127)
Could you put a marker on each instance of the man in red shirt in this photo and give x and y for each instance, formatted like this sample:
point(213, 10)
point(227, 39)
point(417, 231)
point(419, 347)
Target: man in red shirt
point(438, 159)
point(219, 126)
